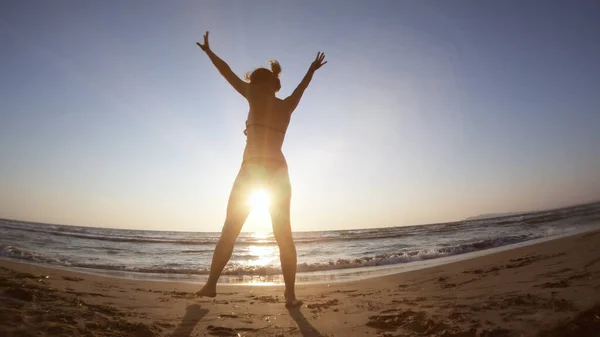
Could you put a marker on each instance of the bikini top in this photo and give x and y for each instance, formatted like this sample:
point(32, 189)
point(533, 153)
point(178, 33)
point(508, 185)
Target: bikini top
point(261, 125)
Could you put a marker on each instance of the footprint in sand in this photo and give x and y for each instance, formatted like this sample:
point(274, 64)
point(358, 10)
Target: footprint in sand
point(225, 332)
point(20, 294)
point(221, 331)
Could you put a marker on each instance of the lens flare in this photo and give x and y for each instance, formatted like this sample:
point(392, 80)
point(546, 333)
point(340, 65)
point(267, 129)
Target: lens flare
point(260, 201)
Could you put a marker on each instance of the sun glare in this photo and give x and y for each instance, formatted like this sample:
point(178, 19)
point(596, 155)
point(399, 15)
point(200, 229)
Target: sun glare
point(259, 200)
point(259, 219)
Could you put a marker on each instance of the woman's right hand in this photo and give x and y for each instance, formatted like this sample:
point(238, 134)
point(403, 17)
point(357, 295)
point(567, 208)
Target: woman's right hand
point(205, 46)
point(318, 62)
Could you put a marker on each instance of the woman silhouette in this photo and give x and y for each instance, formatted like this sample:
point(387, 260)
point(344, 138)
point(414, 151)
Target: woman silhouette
point(263, 166)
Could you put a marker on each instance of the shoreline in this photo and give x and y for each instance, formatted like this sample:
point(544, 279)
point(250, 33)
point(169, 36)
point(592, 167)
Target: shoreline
point(340, 275)
point(551, 285)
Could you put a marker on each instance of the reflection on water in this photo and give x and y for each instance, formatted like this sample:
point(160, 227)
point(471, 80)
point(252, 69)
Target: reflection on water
point(261, 236)
point(263, 255)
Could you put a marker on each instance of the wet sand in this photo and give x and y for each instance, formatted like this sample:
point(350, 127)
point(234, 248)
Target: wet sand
point(546, 289)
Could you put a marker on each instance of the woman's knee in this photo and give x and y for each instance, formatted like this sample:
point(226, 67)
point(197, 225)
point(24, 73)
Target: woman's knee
point(283, 235)
point(231, 230)
point(227, 238)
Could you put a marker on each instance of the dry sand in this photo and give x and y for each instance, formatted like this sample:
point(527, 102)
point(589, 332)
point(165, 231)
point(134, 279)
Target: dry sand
point(547, 289)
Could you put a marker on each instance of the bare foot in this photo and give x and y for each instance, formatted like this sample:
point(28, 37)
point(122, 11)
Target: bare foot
point(293, 303)
point(207, 291)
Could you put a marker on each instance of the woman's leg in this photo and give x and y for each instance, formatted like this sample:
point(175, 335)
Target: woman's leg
point(280, 217)
point(237, 213)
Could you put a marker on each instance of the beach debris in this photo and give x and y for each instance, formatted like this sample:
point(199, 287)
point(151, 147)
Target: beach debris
point(267, 299)
point(317, 307)
point(415, 321)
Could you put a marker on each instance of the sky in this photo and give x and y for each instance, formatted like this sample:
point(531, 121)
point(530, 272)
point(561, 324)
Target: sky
point(427, 111)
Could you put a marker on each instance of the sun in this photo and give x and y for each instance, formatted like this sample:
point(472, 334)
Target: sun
point(260, 200)
point(259, 219)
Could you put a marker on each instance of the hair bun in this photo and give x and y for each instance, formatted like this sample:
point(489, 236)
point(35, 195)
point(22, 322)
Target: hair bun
point(275, 67)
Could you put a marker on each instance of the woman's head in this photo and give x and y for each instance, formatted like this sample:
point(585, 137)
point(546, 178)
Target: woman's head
point(268, 79)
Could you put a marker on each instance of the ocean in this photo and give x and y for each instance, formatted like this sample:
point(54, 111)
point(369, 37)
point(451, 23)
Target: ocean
point(323, 256)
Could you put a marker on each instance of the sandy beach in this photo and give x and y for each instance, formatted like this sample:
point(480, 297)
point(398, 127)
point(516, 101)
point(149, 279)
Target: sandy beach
point(546, 289)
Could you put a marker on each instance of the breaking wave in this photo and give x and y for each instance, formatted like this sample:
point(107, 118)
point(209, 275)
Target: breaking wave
point(375, 260)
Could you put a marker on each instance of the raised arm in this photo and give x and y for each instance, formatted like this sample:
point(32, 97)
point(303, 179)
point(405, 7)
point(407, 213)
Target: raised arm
point(293, 100)
point(224, 69)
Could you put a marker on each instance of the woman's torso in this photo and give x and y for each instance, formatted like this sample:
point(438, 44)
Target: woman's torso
point(267, 123)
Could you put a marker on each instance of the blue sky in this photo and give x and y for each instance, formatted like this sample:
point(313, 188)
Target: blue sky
point(426, 111)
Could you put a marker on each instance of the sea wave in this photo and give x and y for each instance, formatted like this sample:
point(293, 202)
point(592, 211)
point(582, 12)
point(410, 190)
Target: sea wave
point(347, 263)
point(22, 254)
point(48, 231)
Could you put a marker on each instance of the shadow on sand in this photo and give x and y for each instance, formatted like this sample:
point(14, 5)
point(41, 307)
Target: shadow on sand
point(194, 313)
point(306, 329)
